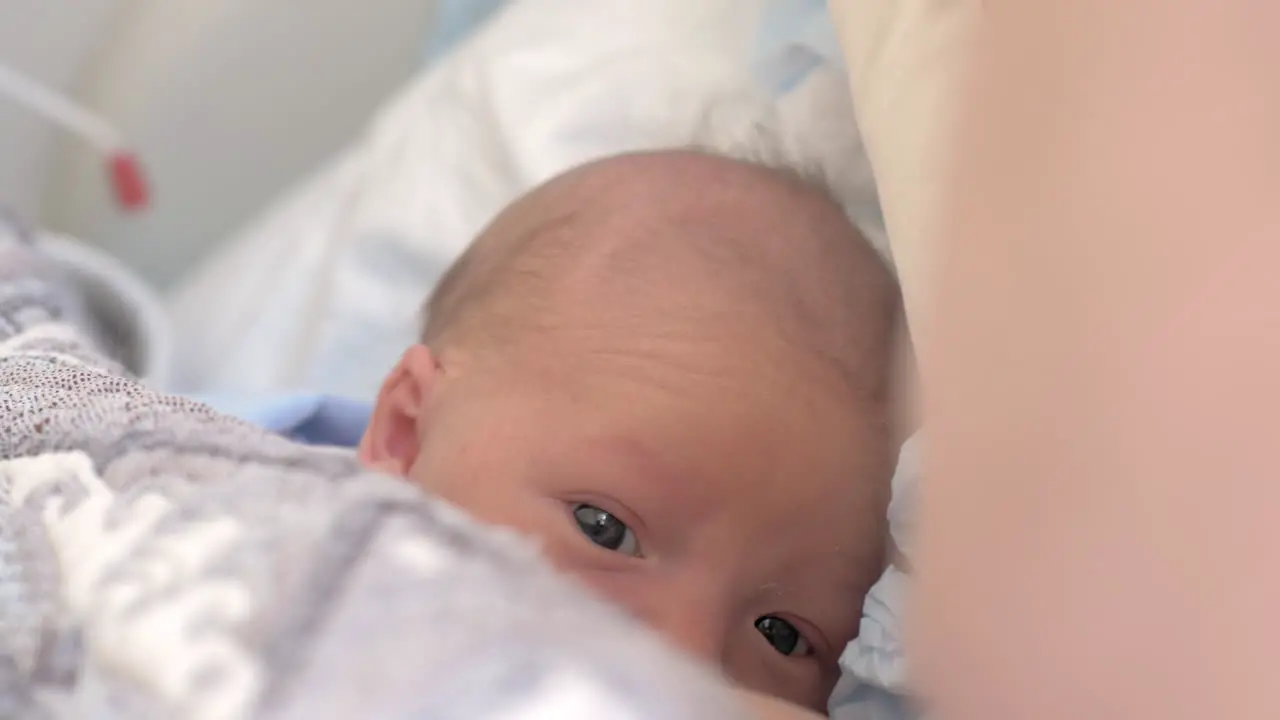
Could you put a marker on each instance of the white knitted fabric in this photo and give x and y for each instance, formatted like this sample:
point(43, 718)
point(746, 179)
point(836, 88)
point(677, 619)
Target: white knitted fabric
point(159, 560)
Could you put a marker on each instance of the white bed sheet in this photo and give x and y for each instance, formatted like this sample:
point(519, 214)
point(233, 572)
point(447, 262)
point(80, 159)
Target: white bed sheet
point(323, 291)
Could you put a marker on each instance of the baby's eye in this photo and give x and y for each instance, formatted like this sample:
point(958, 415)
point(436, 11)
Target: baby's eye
point(605, 530)
point(783, 636)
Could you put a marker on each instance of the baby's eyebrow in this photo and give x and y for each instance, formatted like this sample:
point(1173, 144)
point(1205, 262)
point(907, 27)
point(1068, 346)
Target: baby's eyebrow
point(654, 474)
point(636, 454)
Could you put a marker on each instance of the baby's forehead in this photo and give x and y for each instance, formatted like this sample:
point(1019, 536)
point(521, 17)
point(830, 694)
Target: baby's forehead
point(665, 219)
point(682, 237)
point(687, 193)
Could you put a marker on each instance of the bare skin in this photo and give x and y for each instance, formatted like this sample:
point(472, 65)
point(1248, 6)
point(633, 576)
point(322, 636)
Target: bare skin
point(1098, 535)
point(714, 465)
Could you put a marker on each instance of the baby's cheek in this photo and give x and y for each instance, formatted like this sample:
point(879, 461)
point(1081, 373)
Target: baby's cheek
point(762, 707)
point(624, 587)
point(495, 501)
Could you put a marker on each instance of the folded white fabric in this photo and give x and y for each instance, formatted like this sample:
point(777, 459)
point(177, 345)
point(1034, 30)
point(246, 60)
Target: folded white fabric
point(876, 657)
point(906, 61)
point(856, 700)
point(323, 292)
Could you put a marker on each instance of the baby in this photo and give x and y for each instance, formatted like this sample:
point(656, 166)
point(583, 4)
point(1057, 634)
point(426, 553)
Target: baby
point(671, 369)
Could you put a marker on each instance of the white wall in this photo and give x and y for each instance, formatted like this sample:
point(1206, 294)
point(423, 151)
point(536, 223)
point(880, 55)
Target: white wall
point(49, 40)
point(228, 102)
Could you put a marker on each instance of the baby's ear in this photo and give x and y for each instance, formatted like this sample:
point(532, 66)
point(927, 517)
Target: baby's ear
point(394, 437)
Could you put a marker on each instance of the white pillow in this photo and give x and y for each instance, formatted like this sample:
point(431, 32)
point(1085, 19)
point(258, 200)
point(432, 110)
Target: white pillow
point(323, 293)
point(906, 62)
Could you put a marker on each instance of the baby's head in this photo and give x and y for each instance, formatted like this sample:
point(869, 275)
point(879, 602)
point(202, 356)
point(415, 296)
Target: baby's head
point(672, 370)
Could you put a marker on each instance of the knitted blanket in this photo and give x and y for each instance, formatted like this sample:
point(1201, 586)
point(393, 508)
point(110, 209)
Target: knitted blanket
point(159, 560)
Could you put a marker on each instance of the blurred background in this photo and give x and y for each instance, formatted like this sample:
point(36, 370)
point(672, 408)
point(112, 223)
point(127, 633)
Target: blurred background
point(313, 166)
point(215, 92)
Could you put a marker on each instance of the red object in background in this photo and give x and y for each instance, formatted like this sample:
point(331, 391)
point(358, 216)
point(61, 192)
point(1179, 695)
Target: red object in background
point(129, 182)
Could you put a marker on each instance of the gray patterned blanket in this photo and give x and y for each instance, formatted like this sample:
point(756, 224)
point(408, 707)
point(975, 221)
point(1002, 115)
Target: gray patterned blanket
point(159, 560)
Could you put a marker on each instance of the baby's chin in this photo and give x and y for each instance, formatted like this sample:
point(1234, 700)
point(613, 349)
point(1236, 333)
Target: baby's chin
point(757, 706)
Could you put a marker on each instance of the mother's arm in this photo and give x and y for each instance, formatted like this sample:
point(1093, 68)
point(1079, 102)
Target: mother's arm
point(1100, 521)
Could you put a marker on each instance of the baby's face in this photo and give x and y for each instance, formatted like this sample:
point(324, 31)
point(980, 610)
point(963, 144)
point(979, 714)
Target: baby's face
point(671, 396)
point(721, 497)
